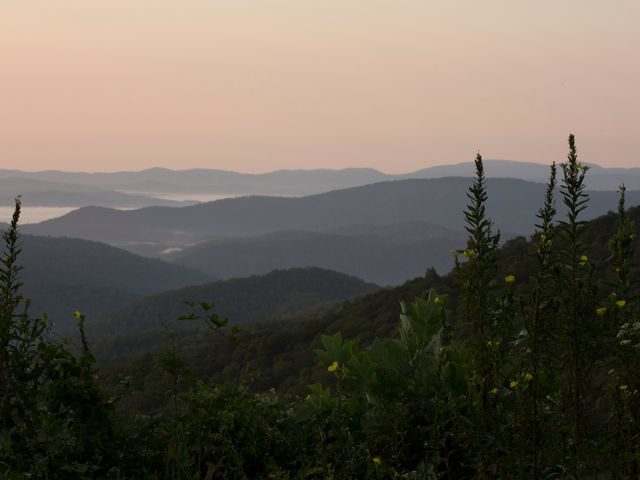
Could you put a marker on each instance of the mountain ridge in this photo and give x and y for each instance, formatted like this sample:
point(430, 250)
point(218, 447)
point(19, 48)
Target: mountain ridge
point(61, 275)
point(294, 182)
point(278, 294)
point(281, 351)
point(383, 255)
point(512, 203)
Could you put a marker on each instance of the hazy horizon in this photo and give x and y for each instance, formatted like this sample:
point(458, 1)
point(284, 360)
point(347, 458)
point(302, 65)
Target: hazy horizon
point(258, 85)
point(302, 168)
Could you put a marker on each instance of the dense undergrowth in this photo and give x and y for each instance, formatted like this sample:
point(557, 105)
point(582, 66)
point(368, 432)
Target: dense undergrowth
point(509, 376)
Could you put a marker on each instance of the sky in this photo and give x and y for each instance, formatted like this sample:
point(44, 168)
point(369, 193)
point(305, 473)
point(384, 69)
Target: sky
point(261, 85)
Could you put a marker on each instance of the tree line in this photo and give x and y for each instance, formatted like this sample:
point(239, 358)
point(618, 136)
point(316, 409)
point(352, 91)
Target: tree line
point(515, 377)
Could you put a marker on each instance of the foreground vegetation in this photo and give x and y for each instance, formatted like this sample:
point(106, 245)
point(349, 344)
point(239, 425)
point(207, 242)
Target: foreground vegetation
point(506, 377)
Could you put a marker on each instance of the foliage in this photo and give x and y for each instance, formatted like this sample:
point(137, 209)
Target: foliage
point(54, 419)
point(527, 365)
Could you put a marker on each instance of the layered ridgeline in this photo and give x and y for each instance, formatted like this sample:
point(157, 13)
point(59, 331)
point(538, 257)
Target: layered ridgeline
point(281, 351)
point(513, 205)
point(281, 294)
point(61, 275)
point(386, 255)
point(213, 181)
point(529, 364)
point(40, 193)
point(599, 178)
point(301, 182)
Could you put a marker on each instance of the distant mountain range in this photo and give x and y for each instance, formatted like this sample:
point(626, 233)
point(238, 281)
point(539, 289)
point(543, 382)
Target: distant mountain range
point(282, 351)
point(386, 255)
point(39, 193)
point(161, 181)
point(205, 181)
point(384, 232)
point(598, 178)
point(512, 205)
point(61, 275)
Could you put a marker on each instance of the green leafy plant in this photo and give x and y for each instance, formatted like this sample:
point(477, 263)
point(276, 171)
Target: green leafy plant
point(55, 420)
point(514, 374)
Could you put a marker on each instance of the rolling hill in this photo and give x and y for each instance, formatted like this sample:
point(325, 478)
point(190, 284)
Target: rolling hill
point(384, 255)
point(281, 353)
point(512, 204)
point(61, 275)
point(279, 294)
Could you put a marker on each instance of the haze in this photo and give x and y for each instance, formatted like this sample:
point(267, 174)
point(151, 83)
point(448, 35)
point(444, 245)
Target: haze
point(259, 85)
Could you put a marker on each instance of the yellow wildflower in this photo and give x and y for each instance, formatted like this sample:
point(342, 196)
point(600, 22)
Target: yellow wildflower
point(376, 460)
point(544, 241)
point(77, 314)
point(510, 279)
point(494, 391)
point(621, 303)
point(601, 311)
point(333, 367)
point(513, 384)
point(583, 260)
point(624, 388)
point(528, 377)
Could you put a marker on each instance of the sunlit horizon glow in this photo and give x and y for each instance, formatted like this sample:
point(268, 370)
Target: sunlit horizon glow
point(263, 85)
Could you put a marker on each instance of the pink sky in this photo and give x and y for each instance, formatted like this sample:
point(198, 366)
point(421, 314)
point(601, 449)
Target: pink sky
point(259, 85)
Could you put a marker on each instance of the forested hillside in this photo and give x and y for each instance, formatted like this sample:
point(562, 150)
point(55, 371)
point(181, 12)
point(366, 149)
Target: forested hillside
point(523, 362)
point(280, 294)
point(387, 255)
point(281, 350)
point(62, 275)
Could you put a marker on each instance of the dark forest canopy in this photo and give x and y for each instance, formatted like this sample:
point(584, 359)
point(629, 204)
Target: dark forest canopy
point(281, 354)
point(62, 275)
point(279, 294)
point(524, 362)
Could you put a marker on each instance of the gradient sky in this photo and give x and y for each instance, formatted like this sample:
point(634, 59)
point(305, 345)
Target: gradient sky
point(259, 85)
